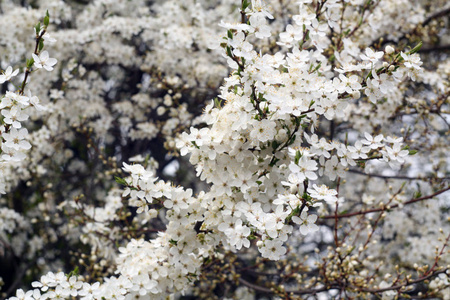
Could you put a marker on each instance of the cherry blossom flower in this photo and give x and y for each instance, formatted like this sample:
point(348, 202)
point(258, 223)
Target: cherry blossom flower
point(306, 222)
point(395, 156)
point(44, 61)
point(323, 193)
point(358, 151)
point(372, 56)
point(373, 142)
point(333, 168)
point(263, 131)
point(273, 249)
point(8, 74)
point(14, 117)
point(15, 139)
point(304, 169)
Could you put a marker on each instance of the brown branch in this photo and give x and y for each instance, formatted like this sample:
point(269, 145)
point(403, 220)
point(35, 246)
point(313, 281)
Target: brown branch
point(398, 177)
point(435, 48)
point(28, 71)
point(438, 256)
point(335, 286)
point(436, 15)
point(336, 219)
point(296, 292)
point(363, 212)
point(399, 286)
point(380, 216)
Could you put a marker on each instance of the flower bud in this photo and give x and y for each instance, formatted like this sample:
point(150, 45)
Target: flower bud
point(356, 94)
point(389, 49)
point(281, 135)
point(160, 110)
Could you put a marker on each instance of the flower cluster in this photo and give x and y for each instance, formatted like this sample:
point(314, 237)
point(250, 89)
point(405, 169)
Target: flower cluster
point(298, 178)
point(15, 108)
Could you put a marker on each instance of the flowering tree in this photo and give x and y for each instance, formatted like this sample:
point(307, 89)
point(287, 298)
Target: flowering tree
point(224, 149)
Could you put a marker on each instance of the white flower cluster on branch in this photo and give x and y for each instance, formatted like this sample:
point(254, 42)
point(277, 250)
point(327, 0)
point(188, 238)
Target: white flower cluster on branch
point(15, 106)
point(298, 178)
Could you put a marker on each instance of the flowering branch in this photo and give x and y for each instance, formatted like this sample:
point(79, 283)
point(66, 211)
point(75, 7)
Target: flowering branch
point(38, 46)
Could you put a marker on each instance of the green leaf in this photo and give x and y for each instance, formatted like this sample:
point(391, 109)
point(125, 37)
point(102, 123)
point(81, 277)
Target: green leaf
point(298, 155)
point(195, 145)
point(30, 62)
point(274, 162)
point(317, 67)
point(416, 48)
point(245, 4)
point(275, 145)
point(230, 34)
point(229, 51)
point(75, 272)
point(46, 19)
point(217, 103)
point(307, 36)
point(412, 152)
point(41, 44)
point(120, 181)
point(38, 28)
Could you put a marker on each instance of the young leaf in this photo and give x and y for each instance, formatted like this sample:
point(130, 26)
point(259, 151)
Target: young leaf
point(41, 45)
point(416, 48)
point(230, 34)
point(38, 28)
point(120, 181)
point(30, 63)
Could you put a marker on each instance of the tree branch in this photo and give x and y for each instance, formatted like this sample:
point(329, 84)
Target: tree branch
point(363, 212)
point(436, 48)
point(436, 15)
point(399, 286)
point(398, 177)
point(296, 292)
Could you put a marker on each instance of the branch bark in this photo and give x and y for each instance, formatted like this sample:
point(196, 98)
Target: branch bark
point(363, 212)
point(399, 177)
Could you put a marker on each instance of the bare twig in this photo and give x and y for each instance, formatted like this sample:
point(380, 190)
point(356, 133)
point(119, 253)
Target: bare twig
point(398, 176)
point(363, 212)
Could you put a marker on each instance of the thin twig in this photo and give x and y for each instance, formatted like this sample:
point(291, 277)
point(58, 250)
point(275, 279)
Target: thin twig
point(398, 177)
point(363, 212)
